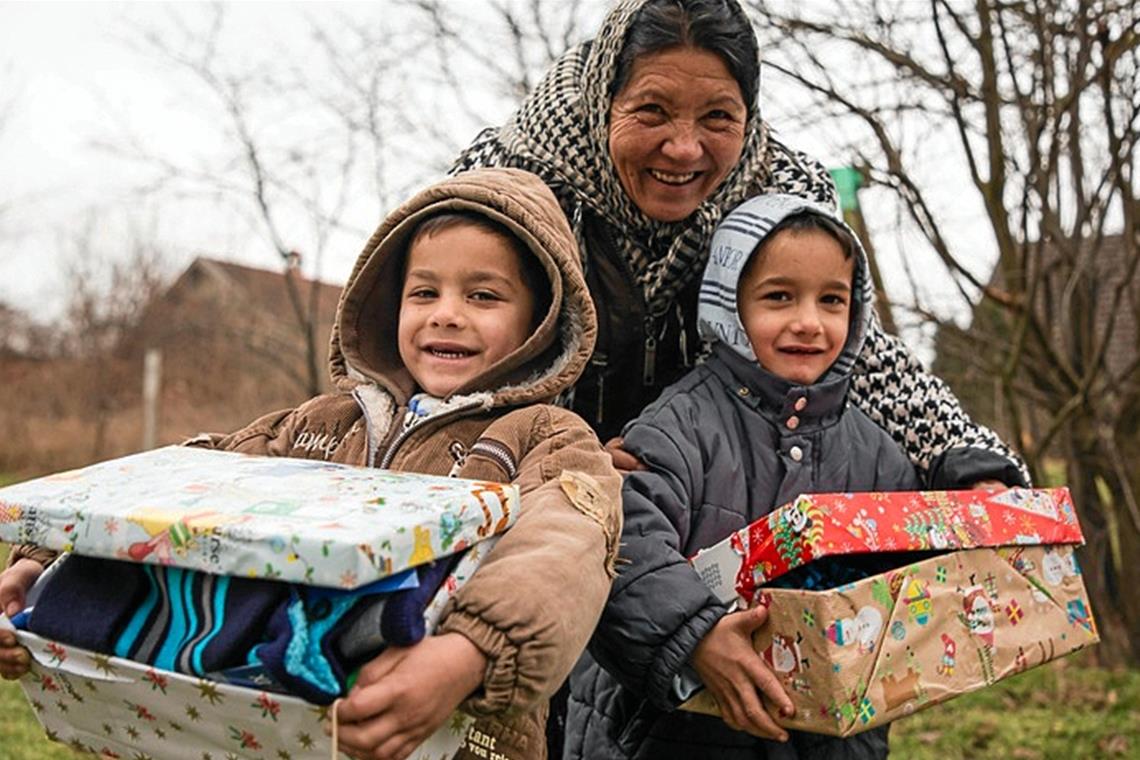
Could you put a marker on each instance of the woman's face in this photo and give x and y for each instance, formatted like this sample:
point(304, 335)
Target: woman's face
point(676, 130)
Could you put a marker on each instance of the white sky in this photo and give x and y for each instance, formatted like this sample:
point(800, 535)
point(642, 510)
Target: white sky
point(70, 79)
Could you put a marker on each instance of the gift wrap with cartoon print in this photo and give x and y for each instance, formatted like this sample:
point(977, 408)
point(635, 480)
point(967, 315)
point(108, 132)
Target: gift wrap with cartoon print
point(1001, 593)
point(292, 520)
point(297, 520)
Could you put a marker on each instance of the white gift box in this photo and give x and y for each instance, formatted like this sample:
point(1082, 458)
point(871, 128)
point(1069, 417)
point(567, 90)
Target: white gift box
point(296, 520)
point(292, 520)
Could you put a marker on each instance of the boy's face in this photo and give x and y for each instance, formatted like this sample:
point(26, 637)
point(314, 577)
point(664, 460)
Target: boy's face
point(464, 306)
point(795, 304)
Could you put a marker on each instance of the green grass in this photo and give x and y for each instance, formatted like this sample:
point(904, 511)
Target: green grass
point(21, 737)
point(1061, 710)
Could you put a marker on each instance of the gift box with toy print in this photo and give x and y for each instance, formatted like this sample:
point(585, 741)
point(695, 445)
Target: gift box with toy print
point(301, 521)
point(881, 604)
point(297, 520)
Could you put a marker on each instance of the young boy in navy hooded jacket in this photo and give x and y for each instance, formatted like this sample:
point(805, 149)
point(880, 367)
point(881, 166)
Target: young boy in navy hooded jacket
point(786, 303)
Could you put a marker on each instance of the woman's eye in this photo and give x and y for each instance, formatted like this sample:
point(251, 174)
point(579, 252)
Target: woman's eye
point(420, 293)
point(485, 295)
point(834, 300)
point(719, 115)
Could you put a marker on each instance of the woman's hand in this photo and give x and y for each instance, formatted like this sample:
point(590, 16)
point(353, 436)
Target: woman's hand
point(989, 485)
point(405, 694)
point(736, 675)
point(623, 461)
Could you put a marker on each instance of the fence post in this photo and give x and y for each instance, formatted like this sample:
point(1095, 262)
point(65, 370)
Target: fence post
point(152, 384)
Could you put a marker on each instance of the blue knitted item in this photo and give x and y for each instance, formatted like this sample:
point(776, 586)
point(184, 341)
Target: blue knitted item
point(402, 620)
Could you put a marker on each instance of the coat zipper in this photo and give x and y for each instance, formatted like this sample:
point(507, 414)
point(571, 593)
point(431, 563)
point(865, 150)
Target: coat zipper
point(390, 453)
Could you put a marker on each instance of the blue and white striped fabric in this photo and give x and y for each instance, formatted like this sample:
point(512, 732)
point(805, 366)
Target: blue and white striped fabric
point(735, 240)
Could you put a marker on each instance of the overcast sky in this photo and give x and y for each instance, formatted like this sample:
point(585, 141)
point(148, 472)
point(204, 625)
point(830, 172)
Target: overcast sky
point(73, 76)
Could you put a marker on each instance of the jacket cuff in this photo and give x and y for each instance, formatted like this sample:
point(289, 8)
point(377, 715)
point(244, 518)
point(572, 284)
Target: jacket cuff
point(677, 653)
point(963, 466)
point(500, 681)
point(30, 551)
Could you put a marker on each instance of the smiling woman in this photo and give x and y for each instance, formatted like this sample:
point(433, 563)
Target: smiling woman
point(676, 130)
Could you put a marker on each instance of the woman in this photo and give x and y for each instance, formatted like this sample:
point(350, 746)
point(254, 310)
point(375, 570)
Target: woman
point(648, 134)
point(645, 154)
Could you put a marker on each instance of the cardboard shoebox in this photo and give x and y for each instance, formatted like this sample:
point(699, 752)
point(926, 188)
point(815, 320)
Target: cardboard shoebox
point(992, 588)
point(299, 521)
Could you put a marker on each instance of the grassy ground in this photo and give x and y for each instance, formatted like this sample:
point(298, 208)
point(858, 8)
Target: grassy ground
point(1061, 710)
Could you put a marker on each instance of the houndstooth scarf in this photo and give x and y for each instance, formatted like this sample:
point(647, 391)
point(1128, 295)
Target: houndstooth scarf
point(561, 133)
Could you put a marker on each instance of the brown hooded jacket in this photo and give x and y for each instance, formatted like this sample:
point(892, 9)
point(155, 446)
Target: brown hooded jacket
point(535, 600)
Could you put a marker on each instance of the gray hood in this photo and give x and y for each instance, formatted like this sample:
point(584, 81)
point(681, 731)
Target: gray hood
point(737, 236)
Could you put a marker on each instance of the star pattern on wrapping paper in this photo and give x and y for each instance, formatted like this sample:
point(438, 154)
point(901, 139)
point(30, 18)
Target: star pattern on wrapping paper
point(209, 692)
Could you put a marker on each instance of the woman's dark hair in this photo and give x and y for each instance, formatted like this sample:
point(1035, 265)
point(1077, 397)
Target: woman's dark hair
point(800, 222)
point(711, 25)
point(533, 274)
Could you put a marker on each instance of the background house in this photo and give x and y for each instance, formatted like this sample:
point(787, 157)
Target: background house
point(232, 346)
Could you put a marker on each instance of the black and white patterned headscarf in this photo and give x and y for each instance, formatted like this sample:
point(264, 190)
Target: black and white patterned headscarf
point(561, 133)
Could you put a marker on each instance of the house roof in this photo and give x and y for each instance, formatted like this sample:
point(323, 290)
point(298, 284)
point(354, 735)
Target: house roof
point(262, 287)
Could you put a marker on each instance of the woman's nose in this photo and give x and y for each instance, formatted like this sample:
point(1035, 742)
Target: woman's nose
point(684, 144)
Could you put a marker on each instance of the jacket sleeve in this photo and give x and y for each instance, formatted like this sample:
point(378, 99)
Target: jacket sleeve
point(534, 601)
point(659, 608)
point(268, 435)
point(921, 413)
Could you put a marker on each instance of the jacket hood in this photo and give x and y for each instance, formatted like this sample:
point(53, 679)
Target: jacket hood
point(736, 238)
point(364, 349)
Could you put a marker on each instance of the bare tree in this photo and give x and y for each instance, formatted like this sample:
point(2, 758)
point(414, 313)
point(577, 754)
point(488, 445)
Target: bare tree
point(1039, 103)
point(308, 141)
point(106, 297)
point(487, 75)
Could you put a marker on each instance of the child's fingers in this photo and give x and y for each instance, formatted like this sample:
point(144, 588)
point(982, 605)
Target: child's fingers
point(400, 746)
point(365, 702)
point(15, 661)
point(750, 620)
point(381, 665)
point(765, 681)
point(744, 711)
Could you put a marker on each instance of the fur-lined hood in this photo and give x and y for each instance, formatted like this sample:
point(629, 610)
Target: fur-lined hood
point(364, 348)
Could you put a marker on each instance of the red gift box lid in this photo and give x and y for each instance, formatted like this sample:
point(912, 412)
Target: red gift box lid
point(821, 525)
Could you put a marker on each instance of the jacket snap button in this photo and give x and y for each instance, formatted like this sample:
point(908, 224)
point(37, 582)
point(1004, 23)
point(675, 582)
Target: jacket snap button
point(793, 422)
point(801, 404)
point(742, 391)
point(796, 453)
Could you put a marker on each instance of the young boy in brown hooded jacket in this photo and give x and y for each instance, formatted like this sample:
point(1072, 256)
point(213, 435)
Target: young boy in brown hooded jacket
point(464, 317)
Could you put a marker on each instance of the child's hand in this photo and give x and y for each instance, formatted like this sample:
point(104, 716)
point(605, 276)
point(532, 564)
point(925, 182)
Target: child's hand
point(15, 582)
point(624, 462)
point(736, 675)
point(15, 660)
point(405, 694)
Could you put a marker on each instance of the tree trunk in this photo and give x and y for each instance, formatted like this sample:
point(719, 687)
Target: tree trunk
point(1119, 633)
